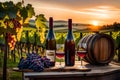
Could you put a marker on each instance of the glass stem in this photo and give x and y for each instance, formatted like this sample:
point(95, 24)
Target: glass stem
point(60, 62)
point(81, 62)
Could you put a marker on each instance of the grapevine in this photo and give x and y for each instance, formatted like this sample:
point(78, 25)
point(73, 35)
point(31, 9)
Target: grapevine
point(41, 26)
point(14, 29)
point(12, 18)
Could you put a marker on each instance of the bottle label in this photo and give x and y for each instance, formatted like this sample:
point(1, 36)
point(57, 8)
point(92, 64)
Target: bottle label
point(50, 54)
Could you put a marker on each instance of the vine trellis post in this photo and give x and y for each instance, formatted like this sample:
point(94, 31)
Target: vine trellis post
point(5, 59)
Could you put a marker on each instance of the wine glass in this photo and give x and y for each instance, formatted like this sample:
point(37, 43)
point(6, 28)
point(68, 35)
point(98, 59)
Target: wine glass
point(60, 53)
point(81, 52)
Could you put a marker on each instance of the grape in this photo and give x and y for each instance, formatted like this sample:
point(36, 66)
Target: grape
point(16, 23)
point(11, 41)
point(20, 65)
point(34, 62)
point(11, 36)
point(46, 62)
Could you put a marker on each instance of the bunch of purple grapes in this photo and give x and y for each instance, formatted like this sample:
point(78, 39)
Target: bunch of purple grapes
point(34, 62)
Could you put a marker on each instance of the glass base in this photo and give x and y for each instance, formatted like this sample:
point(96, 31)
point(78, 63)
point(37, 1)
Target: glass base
point(83, 68)
point(60, 66)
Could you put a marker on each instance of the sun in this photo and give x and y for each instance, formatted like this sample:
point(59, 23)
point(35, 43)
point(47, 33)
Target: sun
point(95, 23)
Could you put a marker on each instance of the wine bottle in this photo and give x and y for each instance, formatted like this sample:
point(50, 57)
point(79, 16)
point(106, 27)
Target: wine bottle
point(51, 43)
point(69, 46)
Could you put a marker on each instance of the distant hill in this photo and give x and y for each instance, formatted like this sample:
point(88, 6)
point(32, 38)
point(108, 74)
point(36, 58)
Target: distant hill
point(61, 26)
point(60, 23)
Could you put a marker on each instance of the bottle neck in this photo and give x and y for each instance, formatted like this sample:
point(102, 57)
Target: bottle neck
point(70, 34)
point(70, 31)
point(70, 24)
point(51, 23)
point(50, 31)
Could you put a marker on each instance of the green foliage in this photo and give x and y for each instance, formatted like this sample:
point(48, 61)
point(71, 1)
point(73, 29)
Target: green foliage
point(12, 11)
point(30, 10)
point(9, 9)
point(23, 37)
point(26, 11)
point(8, 20)
point(118, 41)
point(40, 22)
point(15, 75)
point(2, 11)
point(114, 27)
point(41, 27)
point(11, 75)
point(19, 5)
point(2, 30)
point(23, 13)
point(31, 37)
point(2, 41)
point(60, 38)
point(77, 37)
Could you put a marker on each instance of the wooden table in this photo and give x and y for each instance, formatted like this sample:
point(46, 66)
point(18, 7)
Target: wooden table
point(109, 72)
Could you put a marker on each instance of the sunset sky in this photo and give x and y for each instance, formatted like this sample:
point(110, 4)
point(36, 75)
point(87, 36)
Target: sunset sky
point(81, 11)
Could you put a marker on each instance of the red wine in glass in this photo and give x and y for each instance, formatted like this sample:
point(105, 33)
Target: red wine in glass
point(60, 54)
point(81, 53)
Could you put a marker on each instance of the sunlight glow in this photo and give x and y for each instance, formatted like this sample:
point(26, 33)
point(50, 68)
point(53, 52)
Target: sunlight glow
point(95, 23)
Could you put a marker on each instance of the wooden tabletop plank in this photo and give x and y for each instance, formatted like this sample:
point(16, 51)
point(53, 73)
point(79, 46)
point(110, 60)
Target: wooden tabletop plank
point(95, 70)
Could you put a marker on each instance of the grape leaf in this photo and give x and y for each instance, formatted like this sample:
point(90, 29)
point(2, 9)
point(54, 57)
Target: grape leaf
point(41, 26)
point(2, 24)
point(12, 12)
point(8, 8)
point(40, 21)
point(27, 12)
point(30, 10)
point(2, 11)
point(23, 13)
point(8, 4)
point(2, 30)
point(19, 5)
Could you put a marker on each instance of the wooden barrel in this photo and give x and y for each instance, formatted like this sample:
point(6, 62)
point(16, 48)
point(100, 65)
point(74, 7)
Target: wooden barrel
point(100, 48)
